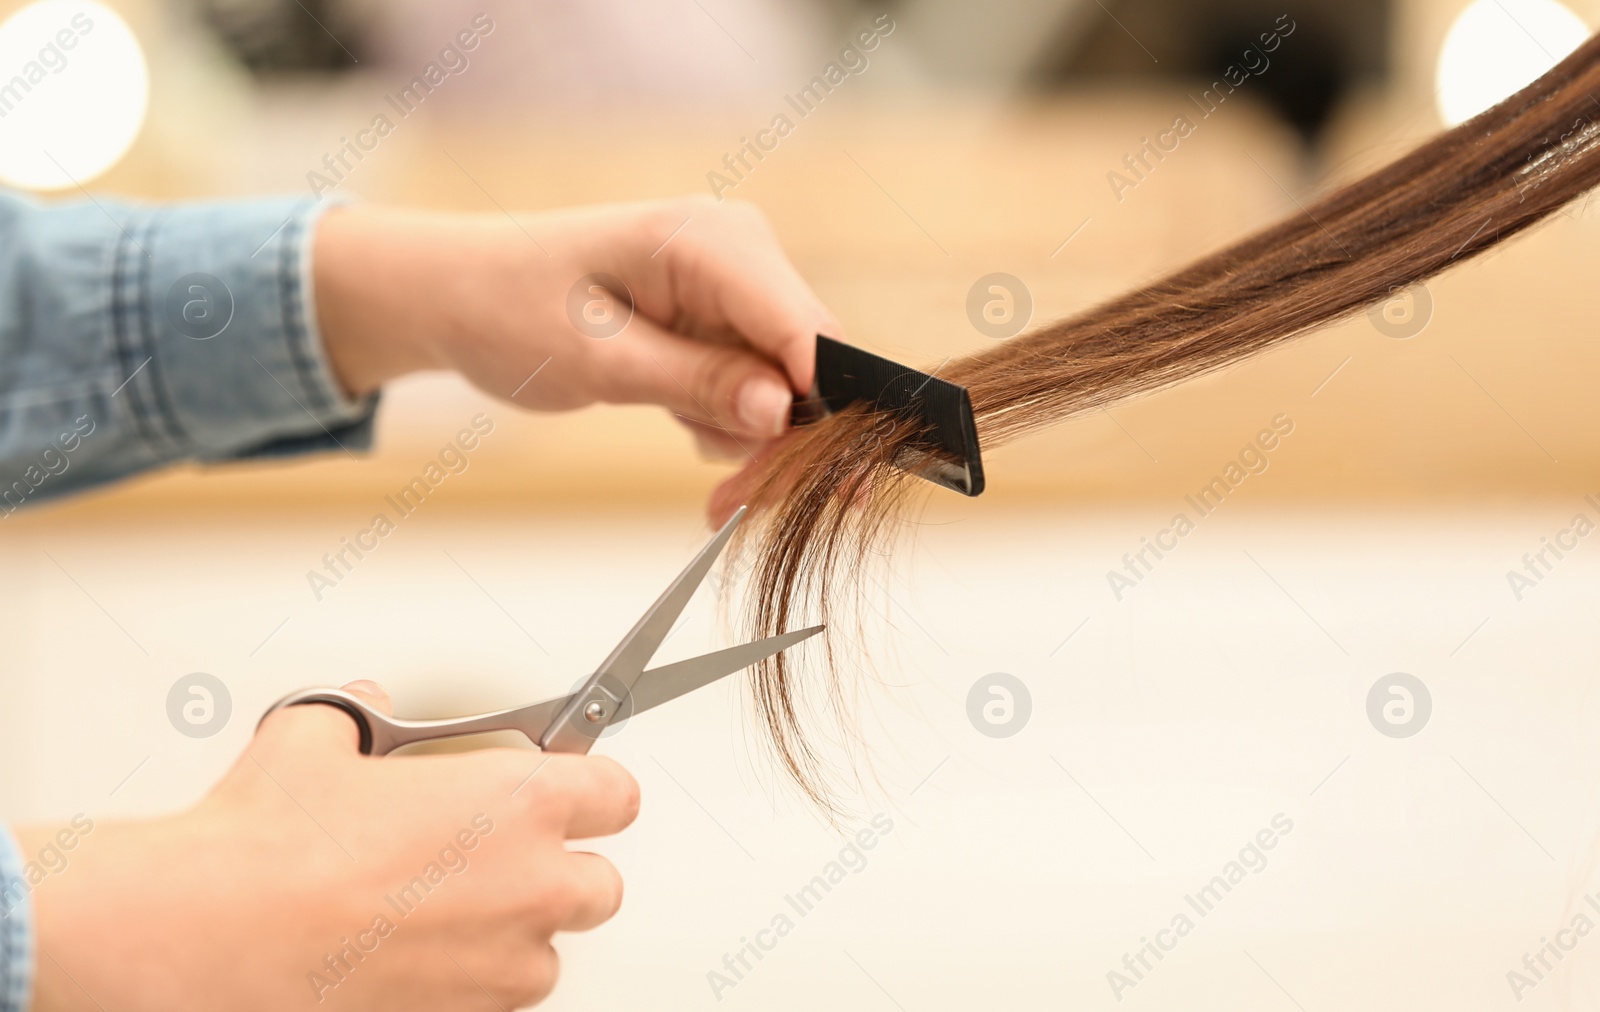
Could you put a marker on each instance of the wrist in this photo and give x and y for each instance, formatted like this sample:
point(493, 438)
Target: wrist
point(62, 915)
point(133, 916)
point(374, 281)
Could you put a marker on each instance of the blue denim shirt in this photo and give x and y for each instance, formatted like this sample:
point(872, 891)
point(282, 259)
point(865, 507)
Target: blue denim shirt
point(133, 337)
point(16, 928)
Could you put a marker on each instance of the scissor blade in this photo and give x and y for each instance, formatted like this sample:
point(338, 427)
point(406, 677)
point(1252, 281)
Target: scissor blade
point(618, 673)
point(668, 682)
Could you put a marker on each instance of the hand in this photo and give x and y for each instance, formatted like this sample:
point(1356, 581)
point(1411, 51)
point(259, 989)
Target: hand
point(312, 873)
point(722, 334)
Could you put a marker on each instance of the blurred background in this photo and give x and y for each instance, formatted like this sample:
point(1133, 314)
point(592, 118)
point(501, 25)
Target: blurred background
point(980, 169)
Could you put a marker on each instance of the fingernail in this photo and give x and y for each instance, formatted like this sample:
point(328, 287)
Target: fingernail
point(367, 688)
point(762, 406)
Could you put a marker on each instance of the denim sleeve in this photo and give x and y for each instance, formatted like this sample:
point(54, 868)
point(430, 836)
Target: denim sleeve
point(16, 929)
point(133, 337)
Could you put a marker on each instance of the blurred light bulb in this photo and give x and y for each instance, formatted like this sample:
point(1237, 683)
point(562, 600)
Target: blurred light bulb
point(73, 93)
point(1496, 47)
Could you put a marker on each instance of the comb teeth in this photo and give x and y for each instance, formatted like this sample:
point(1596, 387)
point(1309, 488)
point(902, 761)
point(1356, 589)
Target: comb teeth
point(947, 454)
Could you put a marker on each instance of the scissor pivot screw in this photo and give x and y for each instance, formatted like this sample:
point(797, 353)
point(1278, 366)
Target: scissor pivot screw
point(595, 712)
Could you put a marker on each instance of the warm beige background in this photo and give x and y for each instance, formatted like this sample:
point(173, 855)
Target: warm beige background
point(1477, 405)
point(1168, 727)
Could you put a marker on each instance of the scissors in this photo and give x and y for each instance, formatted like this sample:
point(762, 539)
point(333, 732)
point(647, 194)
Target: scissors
point(619, 688)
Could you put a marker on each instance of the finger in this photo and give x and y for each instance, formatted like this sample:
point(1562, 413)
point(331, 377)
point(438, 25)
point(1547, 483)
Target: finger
point(608, 804)
point(549, 969)
point(598, 885)
point(738, 391)
point(536, 979)
point(588, 796)
point(324, 725)
point(741, 274)
point(372, 694)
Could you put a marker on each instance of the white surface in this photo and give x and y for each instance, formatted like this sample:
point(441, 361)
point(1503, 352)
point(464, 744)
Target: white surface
point(1417, 873)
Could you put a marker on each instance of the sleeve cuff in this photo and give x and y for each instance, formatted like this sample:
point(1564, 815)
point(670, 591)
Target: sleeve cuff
point(214, 316)
point(16, 929)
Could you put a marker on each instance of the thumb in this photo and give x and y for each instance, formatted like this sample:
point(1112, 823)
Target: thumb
point(371, 693)
point(320, 725)
point(731, 387)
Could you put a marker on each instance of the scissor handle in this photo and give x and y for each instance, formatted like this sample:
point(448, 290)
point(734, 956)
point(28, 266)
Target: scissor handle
point(381, 734)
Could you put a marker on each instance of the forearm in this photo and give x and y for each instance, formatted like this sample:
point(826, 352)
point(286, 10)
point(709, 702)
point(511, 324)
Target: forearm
point(134, 337)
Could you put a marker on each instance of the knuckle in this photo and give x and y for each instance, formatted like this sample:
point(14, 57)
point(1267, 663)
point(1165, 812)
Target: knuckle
point(711, 218)
point(531, 788)
point(545, 789)
point(698, 203)
point(718, 373)
point(559, 897)
point(745, 211)
point(734, 214)
point(546, 816)
point(536, 979)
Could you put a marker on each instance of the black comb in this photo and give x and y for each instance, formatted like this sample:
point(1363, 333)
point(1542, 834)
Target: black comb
point(947, 453)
